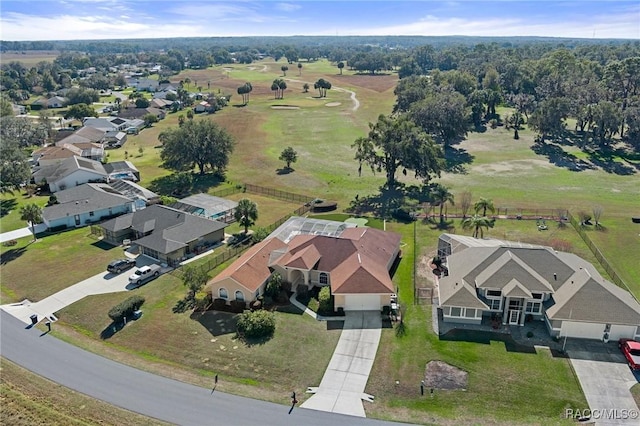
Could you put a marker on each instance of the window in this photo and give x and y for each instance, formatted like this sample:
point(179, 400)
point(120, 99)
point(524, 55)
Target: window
point(494, 293)
point(239, 296)
point(222, 293)
point(537, 296)
point(533, 307)
point(494, 304)
point(446, 310)
point(470, 313)
point(324, 279)
point(90, 213)
point(455, 312)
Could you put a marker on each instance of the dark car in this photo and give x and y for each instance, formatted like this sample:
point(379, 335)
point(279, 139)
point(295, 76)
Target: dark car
point(117, 266)
point(631, 351)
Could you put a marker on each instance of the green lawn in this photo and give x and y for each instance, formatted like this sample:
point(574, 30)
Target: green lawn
point(10, 209)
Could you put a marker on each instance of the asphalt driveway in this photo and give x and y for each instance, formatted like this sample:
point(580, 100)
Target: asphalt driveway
point(606, 380)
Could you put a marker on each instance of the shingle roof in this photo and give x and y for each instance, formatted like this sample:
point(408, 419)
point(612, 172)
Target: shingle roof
point(170, 229)
point(83, 199)
point(55, 172)
point(460, 294)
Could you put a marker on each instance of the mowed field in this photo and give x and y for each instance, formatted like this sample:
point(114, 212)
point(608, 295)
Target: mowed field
point(321, 131)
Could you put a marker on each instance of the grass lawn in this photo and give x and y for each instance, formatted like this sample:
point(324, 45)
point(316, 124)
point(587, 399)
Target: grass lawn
point(10, 209)
point(28, 400)
point(503, 386)
point(36, 270)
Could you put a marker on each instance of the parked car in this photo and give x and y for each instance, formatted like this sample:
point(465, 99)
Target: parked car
point(117, 266)
point(144, 274)
point(631, 351)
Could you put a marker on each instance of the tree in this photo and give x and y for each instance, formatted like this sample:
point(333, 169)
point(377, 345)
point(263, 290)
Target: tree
point(282, 85)
point(149, 119)
point(284, 69)
point(201, 143)
point(398, 142)
point(442, 113)
point(246, 213)
point(194, 279)
point(299, 68)
point(142, 103)
point(6, 110)
point(597, 214)
point(14, 168)
point(484, 204)
point(32, 213)
point(340, 66)
point(548, 118)
point(288, 155)
point(322, 86)
point(256, 324)
point(442, 196)
point(279, 86)
point(275, 88)
point(305, 87)
point(244, 90)
point(477, 223)
point(80, 111)
point(274, 285)
point(465, 203)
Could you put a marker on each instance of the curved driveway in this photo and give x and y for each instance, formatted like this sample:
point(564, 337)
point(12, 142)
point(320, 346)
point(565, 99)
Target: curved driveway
point(145, 393)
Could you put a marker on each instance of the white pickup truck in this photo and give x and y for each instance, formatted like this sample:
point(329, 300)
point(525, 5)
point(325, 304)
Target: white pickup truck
point(143, 274)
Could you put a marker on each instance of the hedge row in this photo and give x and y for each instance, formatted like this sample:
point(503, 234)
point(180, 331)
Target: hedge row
point(126, 308)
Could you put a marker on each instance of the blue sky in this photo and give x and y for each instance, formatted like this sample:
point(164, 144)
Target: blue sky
point(104, 19)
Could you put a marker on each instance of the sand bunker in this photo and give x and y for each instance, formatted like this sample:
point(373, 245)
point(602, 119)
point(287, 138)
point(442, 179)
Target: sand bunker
point(333, 104)
point(285, 107)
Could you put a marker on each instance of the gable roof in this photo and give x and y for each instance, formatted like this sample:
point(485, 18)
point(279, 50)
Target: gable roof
point(82, 135)
point(83, 199)
point(461, 295)
point(55, 172)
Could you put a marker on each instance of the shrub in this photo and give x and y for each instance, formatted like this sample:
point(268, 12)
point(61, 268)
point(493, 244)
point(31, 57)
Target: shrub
point(237, 305)
point(10, 243)
point(274, 285)
point(256, 324)
point(529, 334)
point(324, 301)
point(126, 308)
point(259, 235)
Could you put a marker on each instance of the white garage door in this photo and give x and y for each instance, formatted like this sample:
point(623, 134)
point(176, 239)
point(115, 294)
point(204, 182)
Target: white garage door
point(582, 330)
point(620, 331)
point(362, 302)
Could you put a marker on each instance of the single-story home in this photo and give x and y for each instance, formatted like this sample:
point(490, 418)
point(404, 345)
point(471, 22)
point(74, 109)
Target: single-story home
point(203, 106)
point(54, 154)
point(165, 234)
point(143, 84)
point(70, 172)
point(131, 113)
point(83, 135)
point(85, 204)
point(115, 138)
point(106, 123)
point(124, 170)
point(516, 282)
point(53, 102)
point(354, 262)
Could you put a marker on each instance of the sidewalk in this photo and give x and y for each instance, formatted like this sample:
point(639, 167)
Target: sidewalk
point(21, 233)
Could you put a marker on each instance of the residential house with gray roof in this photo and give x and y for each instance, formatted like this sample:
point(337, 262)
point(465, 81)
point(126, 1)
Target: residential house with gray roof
point(515, 283)
point(85, 204)
point(165, 234)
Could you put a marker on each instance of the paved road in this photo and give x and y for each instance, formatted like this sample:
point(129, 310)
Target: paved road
point(145, 393)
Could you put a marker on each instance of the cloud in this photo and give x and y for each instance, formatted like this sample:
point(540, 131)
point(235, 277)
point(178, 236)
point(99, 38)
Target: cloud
point(288, 7)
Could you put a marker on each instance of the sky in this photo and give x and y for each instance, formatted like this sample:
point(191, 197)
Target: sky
point(109, 19)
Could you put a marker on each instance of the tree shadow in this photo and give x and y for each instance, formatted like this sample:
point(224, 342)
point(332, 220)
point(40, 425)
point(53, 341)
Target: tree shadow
point(455, 160)
point(606, 159)
point(7, 205)
point(101, 244)
point(560, 157)
point(111, 329)
point(217, 323)
point(202, 183)
point(440, 224)
point(11, 254)
point(284, 170)
point(382, 205)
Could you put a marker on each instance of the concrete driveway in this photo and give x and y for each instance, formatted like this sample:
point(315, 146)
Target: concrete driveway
point(606, 380)
point(104, 282)
point(342, 387)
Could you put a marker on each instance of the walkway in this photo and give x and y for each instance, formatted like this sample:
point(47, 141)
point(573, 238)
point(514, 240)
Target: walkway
point(342, 387)
point(21, 233)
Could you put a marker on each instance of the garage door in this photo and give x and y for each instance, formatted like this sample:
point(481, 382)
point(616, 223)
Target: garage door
point(362, 302)
point(582, 330)
point(620, 331)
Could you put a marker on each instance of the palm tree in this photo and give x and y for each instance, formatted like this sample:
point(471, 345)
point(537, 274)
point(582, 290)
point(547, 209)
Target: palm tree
point(282, 85)
point(305, 87)
point(32, 213)
point(299, 68)
point(246, 213)
point(275, 88)
point(340, 66)
point(477, 222)
point(442, 196)
point(484, 204)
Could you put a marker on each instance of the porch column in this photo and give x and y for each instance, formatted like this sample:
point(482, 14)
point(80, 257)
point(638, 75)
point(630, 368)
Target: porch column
point(505, 310)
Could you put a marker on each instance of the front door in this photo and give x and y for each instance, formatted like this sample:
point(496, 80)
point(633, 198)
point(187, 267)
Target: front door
point(514, 317)
point(77, 218)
